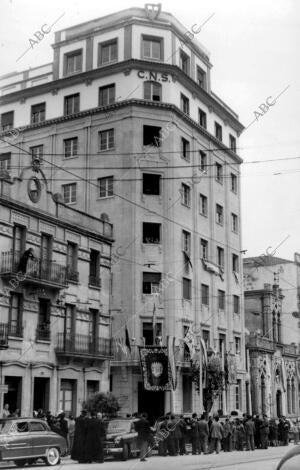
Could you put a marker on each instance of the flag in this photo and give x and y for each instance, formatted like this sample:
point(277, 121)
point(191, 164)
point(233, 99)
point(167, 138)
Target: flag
point(154, 319)
point(187, 258)
point(171, 355)
point(155, 368)
point(189, 340)
point(127, 340)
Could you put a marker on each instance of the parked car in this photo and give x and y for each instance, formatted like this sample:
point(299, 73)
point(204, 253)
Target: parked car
point(24, 440)
point(121, 439)
point(291, 460)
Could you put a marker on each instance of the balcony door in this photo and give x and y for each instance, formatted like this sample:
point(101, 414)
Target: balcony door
point(43, 330)
point(19, 242)
point(46, 255)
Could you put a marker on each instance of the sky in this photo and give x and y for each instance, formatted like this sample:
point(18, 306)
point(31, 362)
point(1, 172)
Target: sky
point(254, 49)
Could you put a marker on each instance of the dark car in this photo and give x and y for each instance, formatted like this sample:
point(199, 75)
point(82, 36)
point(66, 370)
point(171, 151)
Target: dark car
point(291, 460)
point(121, 439)
point(24, 440)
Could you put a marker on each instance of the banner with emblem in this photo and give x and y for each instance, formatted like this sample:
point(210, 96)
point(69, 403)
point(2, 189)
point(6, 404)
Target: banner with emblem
point(156, 370)
point(231, 369)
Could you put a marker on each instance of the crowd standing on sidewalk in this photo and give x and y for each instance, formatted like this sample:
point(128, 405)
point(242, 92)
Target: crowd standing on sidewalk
point(172, 435)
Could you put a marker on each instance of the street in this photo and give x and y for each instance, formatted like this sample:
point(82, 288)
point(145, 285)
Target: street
point(256, 460)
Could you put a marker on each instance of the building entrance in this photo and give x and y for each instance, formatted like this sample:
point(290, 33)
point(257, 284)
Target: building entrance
point(41, 394)
point(152, 403)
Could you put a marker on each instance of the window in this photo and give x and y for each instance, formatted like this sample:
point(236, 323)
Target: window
point(151, 232)
point(233, 180)
point(107, 94)
point(234, 223)
point(73, 62)
point(7, 121)
point(22, 426)
point(218, 131)
point(220, 257)
point(185, 149)
point(38, 112)
point(36, 426)
point(72, 260)
point(236, 304)
point(37, 152)
point(151, 282)
point(5, 163)
point(43, 329)
point(151, 135)
point(151, 184)
point(203, 248)
point(69, 193)
point(203, 205)
point(106, 186)
point(238, 387)
point(203, 161)
point(221, 300)
point(19, 240)
point(108, 52)
point(184, 62)
point(222, 344)
point(152, 48)
point(106, 139)
point(186, 288)
point(237, 342)
point(67, 396)
point(235, 263)
point(232, 143)
point(219, 214)
point(184, 104)
point(186, 242)
point(15, 314)
point(204, 294)
point(206, 338)
point(201, 78)
point(202, 118)
point(219, 173)
point(152, 91)
point(94, 275)
point(148, 331)
point(185, 195)
point(71, 104)
point(70, 147)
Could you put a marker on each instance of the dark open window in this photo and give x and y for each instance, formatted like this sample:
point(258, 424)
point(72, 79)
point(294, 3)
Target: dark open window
point(185, 149)
point(151, 282)
point(94, 277)
point(151, 184)
point(151, 135)
point(186, 288)
point(73, 62)
point(72, 250)
point(218, 131)
point(151, 232)
point(202, 118)
point(7, 121)
point(152, 91)
point(71, 104)
point(107, 94)
point(108, 52)
point(204, 294)
point(201, 78)
point(148, 332)
point(38, 112)
point(184, 62)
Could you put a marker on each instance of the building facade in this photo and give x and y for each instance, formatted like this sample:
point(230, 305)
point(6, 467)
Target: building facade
point(273, 334)
point(130, 130)
point(54, 299)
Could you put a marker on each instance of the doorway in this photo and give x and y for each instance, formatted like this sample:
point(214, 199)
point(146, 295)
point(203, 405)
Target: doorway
point(41, 393)
point(278, 403)
point(152, 403)
point(13, 396)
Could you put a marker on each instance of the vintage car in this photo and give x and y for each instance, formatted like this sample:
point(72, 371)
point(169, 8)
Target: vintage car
point(24, 440)
point(291, 460)
point(121, 439)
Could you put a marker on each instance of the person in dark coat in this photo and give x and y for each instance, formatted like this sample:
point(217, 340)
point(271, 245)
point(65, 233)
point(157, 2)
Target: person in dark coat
point(195, 434)
point(80, 438)
point(143, 429)
point(203, 435)
point(172, 439)
point(264, 433)
point(285, 431)
point(92, 439)
point(28, 254)
point(102, 434)
point(257, 423)
point(182, 435)
point(62, 426)
point(249, 431)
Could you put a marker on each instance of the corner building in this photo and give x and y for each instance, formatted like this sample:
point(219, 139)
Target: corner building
point(127, 109)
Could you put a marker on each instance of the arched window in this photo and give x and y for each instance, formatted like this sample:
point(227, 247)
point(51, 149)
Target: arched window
point(152, 91)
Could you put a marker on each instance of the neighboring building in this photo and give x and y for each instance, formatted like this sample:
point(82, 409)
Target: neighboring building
point(129, 128)
point(272, 320)
point(55, 325)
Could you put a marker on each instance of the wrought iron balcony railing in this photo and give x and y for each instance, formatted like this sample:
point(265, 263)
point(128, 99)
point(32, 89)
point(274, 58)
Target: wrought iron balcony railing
point(94, 281)
point(37, 271)
point(43, 332)
point(15, 329)
point(83, 346)
point(3, 335)
point(72, 275)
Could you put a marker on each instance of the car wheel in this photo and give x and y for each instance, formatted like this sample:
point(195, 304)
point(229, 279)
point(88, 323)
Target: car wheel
point(125, 453)
point(52, 456)
point(20, 463)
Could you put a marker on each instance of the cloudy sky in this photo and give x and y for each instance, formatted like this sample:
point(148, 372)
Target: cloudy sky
point(254, 47)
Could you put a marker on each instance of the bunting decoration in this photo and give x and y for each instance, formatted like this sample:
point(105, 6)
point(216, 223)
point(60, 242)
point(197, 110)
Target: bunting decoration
point(156, 370)
point(190, 341)
point(232, 369)
point(171, 355)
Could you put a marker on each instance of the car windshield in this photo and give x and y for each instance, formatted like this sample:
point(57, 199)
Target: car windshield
point(118, 426)
point(4, 426)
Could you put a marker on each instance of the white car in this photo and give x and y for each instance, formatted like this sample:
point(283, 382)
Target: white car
point(291, 461)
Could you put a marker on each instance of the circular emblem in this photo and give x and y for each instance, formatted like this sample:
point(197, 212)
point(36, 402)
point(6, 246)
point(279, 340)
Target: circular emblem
point(34, 189)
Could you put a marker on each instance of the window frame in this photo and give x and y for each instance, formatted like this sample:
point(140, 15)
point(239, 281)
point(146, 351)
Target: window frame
point(10, 125)
point(204, 76)
point(203, 200)
point(70, 185)
point(158, 242)
point(218, 130)
point(202, 117)
point(235, 263)
point(203, 156)
point(186, 190)
point(185, 149)
point(186, 241)
point(233, 181)
point(221, 300)
point(109, 186)
point(108, 43)
point(187, 286)
point(232, 143)
point(71, 140)
point(203, 249)
point(205, 297)
point(184, 103)
point(152, 84)
point(236, 304)
point(110, 141)
point(185, 56)
point(70, 55)
point(32, 121)
point(159, 176)
point(219, 173)
point(221, 257)
point(73, 96)
point(108, 87)
point(152, 38)
point(154, 286)
point(219, 215)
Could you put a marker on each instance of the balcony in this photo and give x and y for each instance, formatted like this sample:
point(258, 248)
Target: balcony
point(94, 281)
point(16, 330)
point(258, 342)
point(122, 356)
point(83, 346)
point(3, 335)
point(49, 274)
point(72, 275)
point(182, 356)
point(43, 332)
